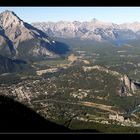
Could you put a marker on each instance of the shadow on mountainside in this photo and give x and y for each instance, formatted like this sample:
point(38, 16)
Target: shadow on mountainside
point(137, 84)
point(15, 117)
point(30, 27)
point(59, 48)
point(56, 47)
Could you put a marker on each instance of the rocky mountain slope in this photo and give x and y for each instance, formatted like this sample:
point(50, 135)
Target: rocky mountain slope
point(92, 30)
point(128, 87)
point(19, 39)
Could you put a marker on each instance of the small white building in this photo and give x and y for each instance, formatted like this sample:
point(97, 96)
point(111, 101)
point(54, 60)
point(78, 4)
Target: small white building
point(112, 117)
point(116, 117)
point(120, 118)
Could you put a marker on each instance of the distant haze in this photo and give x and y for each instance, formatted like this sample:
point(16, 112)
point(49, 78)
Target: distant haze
point(107, 14)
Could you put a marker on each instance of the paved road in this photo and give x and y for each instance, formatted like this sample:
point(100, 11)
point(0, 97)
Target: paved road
point(88, 104)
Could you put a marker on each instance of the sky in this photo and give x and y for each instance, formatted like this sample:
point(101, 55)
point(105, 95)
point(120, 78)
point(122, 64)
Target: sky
point(107, 14)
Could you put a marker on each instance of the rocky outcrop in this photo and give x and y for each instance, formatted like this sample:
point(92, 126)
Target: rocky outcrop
point(127, 82)
point(128, 87)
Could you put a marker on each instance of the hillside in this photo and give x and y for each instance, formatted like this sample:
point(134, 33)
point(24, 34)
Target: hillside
point(8, 65)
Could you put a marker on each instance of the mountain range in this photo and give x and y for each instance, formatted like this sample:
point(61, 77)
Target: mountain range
point(91, 30)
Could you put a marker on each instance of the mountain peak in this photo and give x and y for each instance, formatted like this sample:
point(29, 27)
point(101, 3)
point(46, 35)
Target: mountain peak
point(9, 18)
point(8, 11)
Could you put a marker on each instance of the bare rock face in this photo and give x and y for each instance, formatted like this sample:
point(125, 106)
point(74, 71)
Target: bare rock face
point(14, 32)
point(128, 87)
point(9, 18)
point(14, 28)
point(127, 82)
